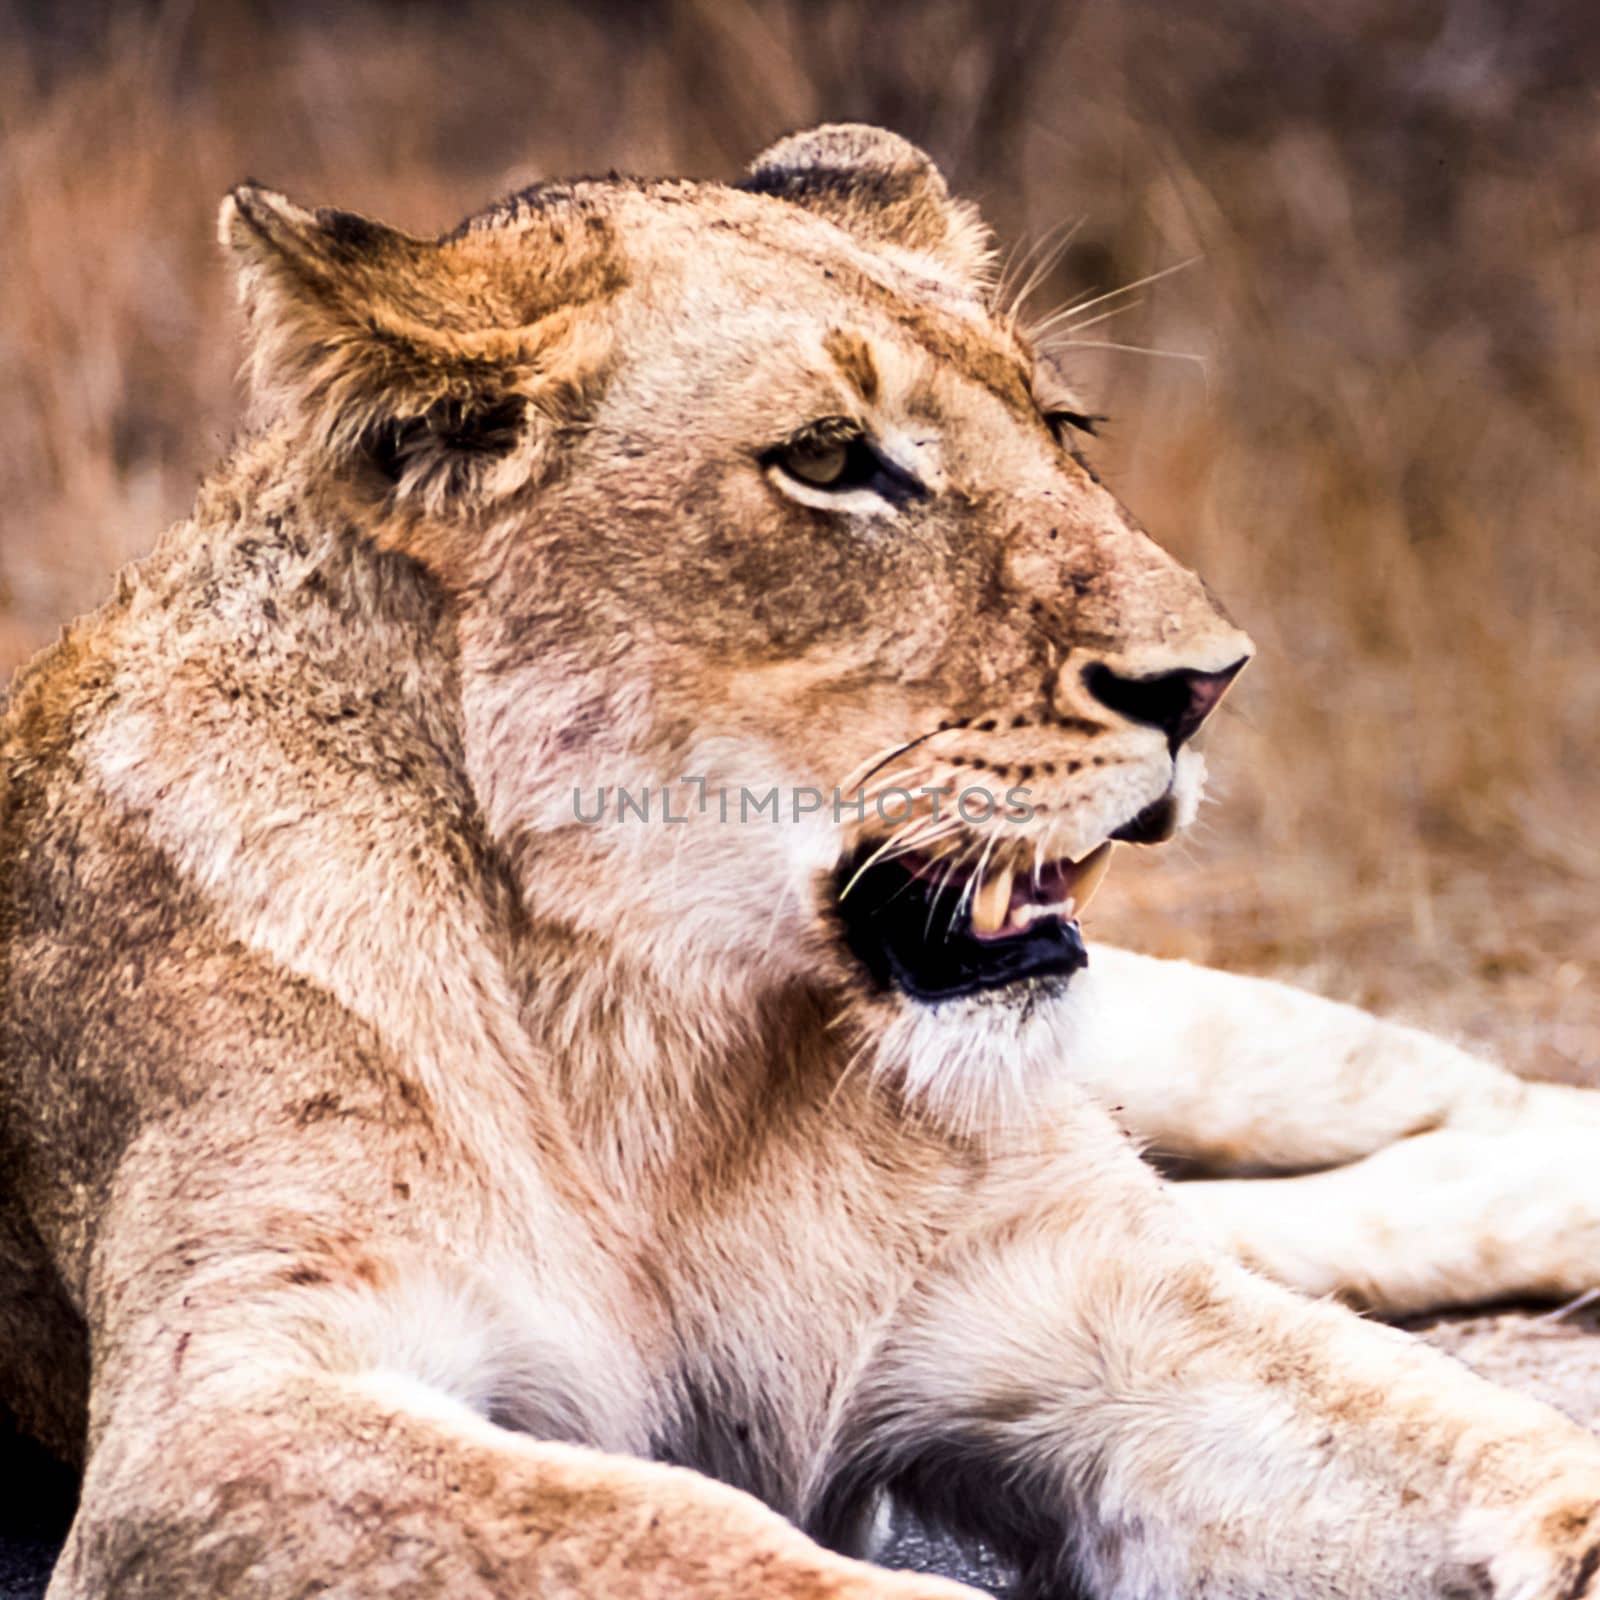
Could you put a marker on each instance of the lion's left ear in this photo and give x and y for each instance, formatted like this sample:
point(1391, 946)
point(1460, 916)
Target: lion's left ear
point(881, 188)
point(405, 359)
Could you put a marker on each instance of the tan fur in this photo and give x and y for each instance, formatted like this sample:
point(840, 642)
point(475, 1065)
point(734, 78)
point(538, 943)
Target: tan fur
point(432, 1177)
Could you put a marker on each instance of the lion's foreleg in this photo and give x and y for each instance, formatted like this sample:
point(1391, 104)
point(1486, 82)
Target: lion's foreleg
point(1443, 1219)
point(1131, 1415)
point(1464, 1183)
point(297, 1392)
point(1243, 1075)
point(368, 1485)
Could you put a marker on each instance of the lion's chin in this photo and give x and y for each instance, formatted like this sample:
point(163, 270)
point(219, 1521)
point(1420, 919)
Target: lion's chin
point(988, 1060)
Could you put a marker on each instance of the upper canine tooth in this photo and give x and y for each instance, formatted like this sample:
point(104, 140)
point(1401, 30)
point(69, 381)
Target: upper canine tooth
point(1091, 874)
point(992, 903)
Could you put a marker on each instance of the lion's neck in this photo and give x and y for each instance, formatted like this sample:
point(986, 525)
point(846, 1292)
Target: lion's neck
point(662, 1072)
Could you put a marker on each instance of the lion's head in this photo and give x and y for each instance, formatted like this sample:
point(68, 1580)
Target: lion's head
point(748, 489)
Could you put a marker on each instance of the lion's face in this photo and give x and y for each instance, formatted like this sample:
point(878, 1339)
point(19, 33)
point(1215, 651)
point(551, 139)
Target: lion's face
point(750, 490)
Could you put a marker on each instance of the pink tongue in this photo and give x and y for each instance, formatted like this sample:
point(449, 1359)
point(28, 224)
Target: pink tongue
point(1010, 929)
point(1055, 881)
point(1054, 885)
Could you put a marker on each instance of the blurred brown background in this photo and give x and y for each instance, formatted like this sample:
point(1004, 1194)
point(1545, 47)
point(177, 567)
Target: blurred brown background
point(1370, 418)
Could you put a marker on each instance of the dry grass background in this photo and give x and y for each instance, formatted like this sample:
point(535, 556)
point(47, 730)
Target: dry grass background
point(1372, 426)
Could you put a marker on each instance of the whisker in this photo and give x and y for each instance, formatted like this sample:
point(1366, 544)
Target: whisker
point(1059, 314)
point(952, 863)
point(1054, 319)
point(1016, 253)
point(933, 828)
point(894, 845)
point(1048, 259)
point(866, 866)
point(1104, 316)
point(975, 882)
point(908, 844)
point(899, 750)
point(871, 765)
point(1035, 260)
point(938, 895)
point(849, 1067)
point(1135, 349)
point(900, 780)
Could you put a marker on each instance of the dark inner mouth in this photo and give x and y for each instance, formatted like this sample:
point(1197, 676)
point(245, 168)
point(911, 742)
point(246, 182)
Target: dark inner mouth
point(913, 931)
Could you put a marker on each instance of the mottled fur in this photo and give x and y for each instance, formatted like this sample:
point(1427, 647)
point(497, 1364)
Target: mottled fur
point(430, 1178)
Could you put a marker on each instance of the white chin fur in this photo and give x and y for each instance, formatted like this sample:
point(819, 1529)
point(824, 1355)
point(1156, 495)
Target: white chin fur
point(1188, 784)
point(984, 1062)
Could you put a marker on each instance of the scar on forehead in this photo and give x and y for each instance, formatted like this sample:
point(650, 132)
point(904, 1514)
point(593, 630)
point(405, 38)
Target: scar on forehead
point(853, 357)
point(974, 358)
point(979, 360)
point(955, 345)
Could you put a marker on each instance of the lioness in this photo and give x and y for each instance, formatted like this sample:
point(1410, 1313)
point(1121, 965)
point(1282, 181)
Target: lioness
point(432, 1169)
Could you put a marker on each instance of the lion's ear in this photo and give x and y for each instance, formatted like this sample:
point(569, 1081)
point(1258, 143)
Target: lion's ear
point(374, 341)
point(881, 188)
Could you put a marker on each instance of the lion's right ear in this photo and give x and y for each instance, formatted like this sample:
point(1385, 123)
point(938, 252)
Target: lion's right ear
point(881, 188)
point(371, 338)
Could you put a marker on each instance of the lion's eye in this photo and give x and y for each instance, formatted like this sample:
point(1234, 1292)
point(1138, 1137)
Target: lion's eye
point(833, 455)
point(822, 463)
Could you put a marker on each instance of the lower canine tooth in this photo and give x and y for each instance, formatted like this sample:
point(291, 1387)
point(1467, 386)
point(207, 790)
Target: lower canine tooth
point(992, 903)
point(1091, 874)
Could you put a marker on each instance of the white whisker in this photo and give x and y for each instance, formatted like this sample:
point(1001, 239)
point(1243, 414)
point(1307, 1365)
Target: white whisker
point(974, 883)
point(1104, 316)
point(1049, 256)
point(849, 1067)
point(1041, 329)
point(1135, 349)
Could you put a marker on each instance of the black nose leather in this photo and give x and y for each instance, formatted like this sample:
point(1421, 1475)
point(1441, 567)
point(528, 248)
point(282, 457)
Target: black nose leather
point(1176, 702)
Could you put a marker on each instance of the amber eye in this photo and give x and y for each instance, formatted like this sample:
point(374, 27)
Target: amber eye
point(835, 456)
point(823, 463)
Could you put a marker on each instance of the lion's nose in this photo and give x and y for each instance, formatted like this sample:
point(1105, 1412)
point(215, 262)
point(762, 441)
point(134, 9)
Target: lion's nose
point(1176, 702)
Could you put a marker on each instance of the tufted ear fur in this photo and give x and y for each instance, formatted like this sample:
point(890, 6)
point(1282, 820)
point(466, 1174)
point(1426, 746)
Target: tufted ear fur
point(424, 362)
point(881, 188)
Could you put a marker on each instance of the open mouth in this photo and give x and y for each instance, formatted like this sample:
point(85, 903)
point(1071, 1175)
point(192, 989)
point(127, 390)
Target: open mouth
point(939, 930)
